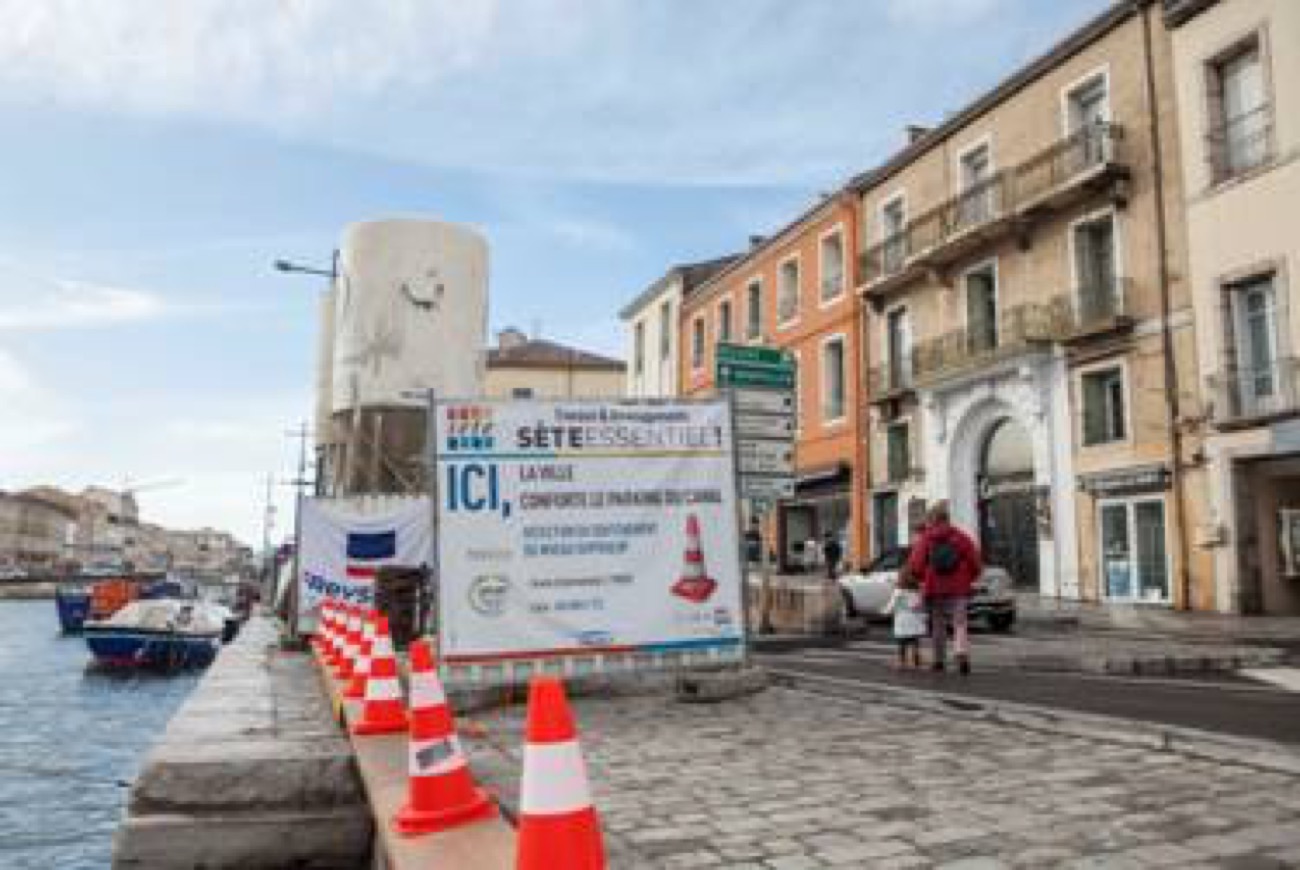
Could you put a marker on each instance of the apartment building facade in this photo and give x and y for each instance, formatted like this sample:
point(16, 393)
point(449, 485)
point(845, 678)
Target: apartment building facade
point(1029, 321)
point(651, 329)
point(520, 367)
point(794, 291)
point(1237, 75)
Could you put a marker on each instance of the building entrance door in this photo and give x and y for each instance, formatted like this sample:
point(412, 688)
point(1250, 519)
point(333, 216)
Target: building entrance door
point(1008, 504)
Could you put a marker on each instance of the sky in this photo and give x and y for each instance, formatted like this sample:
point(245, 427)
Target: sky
point(155, 158)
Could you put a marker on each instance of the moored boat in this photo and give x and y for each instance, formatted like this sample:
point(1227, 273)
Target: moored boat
point(72, 601)
point(160, 633)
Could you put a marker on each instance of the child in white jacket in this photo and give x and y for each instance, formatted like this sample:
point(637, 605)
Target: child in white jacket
point(908, 608)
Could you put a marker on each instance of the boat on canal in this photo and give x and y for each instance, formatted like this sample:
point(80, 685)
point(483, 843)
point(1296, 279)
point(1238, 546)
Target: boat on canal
point(77, 602)
point(161, 633)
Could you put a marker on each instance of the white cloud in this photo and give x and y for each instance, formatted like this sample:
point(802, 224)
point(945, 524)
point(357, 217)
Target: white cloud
point(35, 418)
point(77, 305)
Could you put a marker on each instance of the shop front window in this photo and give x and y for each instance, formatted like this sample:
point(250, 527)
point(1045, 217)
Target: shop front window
point(1134, 561)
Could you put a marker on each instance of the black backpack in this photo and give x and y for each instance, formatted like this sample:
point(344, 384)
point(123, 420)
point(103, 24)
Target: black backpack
point(945, 557)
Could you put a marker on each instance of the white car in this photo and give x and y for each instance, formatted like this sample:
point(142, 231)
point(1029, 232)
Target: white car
point(867, 593)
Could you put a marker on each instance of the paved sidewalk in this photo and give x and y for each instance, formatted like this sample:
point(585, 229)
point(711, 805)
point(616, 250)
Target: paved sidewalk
point(787, 780)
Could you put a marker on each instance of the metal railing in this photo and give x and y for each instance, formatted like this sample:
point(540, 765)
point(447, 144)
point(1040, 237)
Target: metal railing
point(1101, 305)
point(888, 378)
point(1241, 392)
point(1078, 154)
point(1240, 144)
point(1017, 329)
point(1002, 194)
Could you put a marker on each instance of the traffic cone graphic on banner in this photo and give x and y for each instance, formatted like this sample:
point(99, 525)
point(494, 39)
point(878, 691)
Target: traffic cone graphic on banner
point(325, 629)
point(383, 711)
point(442, 792)
point(694, 585)
point(356, 687)
point(558, 826)
point(350, 645)
point(334, 640)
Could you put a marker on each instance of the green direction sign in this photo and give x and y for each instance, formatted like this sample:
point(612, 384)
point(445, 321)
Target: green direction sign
point(741, 365)
point(734, 376)
point(749, 354)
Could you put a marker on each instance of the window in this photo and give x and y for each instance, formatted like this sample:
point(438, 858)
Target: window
point(638, 348)
point(976, 171)
point(697, 343)
point(832, 265)
point(724, 320)
point(981, 309)
point(1094, 269)
point(1255, 361)
point(833, 380)
point(898, 357)
point(1239, 114)
point(754, 310)
point(885, 527)
point(1134, 564)
point(665, 330)
point(1087, 109)
point(898, 453)
point(893, 218)
point(787, 292)
point(521, 392)
point(1103, 406)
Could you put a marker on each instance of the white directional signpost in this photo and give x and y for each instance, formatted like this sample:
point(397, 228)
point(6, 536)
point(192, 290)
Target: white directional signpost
point(761, 382)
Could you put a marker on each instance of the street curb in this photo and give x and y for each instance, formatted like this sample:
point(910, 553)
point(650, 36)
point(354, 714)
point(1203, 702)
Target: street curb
point(1246, 752)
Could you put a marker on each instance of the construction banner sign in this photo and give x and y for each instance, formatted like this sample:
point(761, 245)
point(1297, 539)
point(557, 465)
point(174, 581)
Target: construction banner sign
point(581, 527)
point(346, 541)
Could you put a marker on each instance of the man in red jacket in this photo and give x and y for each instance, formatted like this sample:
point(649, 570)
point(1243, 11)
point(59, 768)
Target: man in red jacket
point(947, 562)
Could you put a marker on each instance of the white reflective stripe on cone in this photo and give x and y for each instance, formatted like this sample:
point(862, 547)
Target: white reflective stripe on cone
point(426, 691)
point(435, 757)
point(383, 646)
point(555, 779)
point(383, 689)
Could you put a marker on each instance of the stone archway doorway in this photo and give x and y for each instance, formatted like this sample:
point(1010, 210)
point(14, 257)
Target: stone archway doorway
point(1007, 502)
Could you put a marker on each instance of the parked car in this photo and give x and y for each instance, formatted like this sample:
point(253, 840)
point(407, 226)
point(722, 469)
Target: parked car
point(865, 594)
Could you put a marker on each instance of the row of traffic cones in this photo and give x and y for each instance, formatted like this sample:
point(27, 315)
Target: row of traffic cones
point(558, 825)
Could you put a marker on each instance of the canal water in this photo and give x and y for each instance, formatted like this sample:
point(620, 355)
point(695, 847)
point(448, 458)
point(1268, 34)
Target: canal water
point(71, 742)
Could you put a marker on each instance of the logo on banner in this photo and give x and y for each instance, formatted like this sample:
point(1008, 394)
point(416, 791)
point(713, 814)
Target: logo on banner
point(367, 552)
point(469, 427)
point(488, 593)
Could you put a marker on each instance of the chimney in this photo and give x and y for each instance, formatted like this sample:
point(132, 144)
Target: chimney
point(756, 240)
point(915, 131)
point(510, 338)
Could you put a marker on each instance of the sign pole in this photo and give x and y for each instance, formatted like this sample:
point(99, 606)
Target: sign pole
point(740, 531)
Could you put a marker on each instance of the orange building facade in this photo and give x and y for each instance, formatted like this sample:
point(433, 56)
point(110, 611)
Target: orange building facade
point(795, 291)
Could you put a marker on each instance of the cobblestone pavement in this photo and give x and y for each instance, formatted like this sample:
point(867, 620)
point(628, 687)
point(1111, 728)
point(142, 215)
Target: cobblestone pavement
point(787, 780)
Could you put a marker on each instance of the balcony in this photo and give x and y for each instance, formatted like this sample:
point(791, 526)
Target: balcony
point(1099, 310)
point(1246, 395)
point(1016, 331)
point(889, 381)
point(1240, 144)
point(1075, 167)
point(1071, 169)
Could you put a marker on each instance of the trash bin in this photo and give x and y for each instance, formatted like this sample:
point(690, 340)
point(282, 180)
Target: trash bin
point(401, 595)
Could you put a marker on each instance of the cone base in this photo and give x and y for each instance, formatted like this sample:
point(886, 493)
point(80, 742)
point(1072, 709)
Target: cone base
point(410, 822)
point(364, 727)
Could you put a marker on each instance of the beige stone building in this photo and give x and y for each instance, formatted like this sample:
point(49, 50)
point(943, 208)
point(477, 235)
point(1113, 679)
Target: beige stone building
point(520, 367)
point(1237, 72)
point(36, 533)
point(1032, 354)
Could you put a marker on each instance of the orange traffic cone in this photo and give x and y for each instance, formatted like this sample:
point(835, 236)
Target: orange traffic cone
point(695, 585)
point(356, 687)
point(383, 711)
point(350, 642)
point(442, 793)
point(558, 826)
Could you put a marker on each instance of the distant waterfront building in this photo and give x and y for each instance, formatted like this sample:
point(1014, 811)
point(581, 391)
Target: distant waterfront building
point(651, 324)
point(520, 367)
point(1237, 73)
point(36, 533)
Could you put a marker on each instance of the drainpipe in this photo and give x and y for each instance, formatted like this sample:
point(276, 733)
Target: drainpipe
point(1172, 410)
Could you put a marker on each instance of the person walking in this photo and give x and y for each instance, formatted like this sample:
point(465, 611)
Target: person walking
point(832, 552)
point(908, 609)
point(948, 562)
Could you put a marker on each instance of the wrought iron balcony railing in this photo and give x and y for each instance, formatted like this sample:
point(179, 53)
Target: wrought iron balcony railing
point(1015, 331)
point(1240, 144)
point(1101, 307)
point(889, 379)
point(1062, 167)
point(1081, 153)
point(1241, 392)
